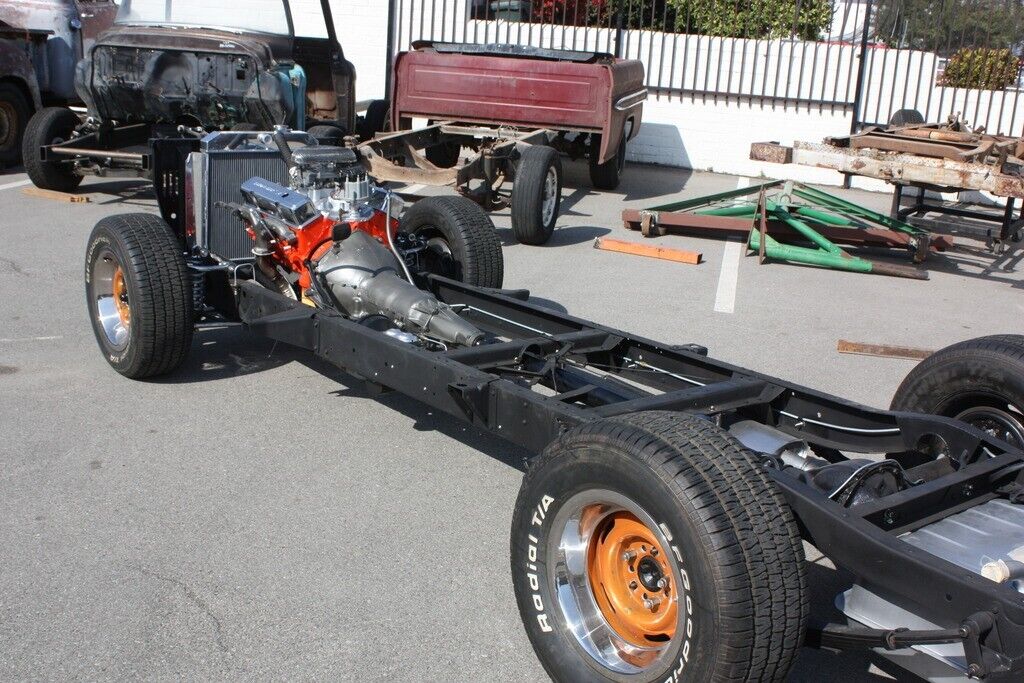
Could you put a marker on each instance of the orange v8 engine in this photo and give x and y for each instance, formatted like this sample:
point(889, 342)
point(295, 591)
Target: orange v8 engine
point(331, 240)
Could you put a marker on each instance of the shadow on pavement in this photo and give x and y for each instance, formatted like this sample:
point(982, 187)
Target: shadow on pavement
point(977, 262)
point(231, 351)
point(133, 192)
point(562, 236)
point(223, 351)
point(823, 584)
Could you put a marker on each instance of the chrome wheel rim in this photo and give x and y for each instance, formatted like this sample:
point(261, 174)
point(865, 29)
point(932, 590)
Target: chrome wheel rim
point(1006, 425)
point(110, 299)
point(580, 527)
point(547, 209)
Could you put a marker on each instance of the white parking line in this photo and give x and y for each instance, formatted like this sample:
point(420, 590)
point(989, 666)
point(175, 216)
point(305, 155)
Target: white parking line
point(11, 340)
point(725, 295)
point(19, 183)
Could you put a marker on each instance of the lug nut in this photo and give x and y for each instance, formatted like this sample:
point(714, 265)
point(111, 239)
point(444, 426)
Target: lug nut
point(628, 555)
point(662, 582)
point(651, 603)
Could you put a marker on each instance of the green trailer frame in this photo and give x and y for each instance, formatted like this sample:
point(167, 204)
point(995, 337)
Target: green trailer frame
point(768, 213)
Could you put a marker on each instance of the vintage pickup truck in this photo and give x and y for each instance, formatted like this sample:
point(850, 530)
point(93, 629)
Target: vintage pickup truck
point(40, 43)
point(180, 69)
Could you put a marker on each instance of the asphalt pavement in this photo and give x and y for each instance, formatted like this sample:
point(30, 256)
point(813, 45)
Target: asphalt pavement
point(258, 515)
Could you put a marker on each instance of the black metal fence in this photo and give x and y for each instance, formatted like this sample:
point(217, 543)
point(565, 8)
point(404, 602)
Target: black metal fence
point(938, 57)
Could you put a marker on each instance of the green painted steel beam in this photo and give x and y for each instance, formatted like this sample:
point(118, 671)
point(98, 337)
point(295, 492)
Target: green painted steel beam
point(843, 206)
point(815, 257)
point(712, 198)
point(807, 231)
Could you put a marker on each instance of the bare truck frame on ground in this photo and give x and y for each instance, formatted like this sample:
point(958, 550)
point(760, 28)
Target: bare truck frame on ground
point(658, 534)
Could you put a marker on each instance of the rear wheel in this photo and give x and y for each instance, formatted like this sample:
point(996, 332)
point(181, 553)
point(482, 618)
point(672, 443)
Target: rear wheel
point(139, 295)
point(375, 119)
point(536, 194)
point(979, 381)
point(606, 176)
point(461, 241)
point(654, 547)
point(14, 115)
point(48, 127)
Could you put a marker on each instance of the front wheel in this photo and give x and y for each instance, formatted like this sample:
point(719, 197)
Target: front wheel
point(536, 194)
point(139, 295)
point(978, 381)
point(461, 243)
point(48, 127)
point(654, 547)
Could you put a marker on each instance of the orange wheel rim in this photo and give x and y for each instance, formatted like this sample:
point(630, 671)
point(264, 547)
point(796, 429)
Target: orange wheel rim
point(631, 580)
point(120, 292)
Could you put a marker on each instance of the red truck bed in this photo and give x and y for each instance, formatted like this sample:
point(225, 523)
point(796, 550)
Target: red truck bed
point(522, 87)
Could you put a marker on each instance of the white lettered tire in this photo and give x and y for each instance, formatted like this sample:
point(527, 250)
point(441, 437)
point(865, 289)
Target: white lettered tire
point(654, 547)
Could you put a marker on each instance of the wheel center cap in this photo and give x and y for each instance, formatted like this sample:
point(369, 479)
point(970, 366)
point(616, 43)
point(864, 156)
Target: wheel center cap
point(650, 574)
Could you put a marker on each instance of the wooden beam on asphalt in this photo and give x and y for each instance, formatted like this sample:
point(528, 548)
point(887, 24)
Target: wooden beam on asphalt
point(56, 196)
point(666, 253)
point(882, 350)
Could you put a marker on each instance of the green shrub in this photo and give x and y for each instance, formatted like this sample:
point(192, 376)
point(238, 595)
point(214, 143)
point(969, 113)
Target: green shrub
point(984, 68)
point(804, 19)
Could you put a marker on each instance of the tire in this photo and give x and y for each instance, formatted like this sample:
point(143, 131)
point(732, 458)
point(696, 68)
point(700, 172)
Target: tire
point(906, 117)
point(375, 119)
point(154, 336)
point(327, 134)
point(536, 194)
point(15, 111)
point(606, 176)
point(735, 553)
point(47, 126)
point(461, 241)
point(979, 381)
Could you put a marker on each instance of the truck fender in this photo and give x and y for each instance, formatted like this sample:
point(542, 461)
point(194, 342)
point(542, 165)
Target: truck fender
point(17, 68)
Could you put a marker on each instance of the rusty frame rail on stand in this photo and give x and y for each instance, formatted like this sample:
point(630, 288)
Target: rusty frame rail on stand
point(926, 157)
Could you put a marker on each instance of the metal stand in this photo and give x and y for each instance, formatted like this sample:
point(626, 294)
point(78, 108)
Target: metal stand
point(1010, 228)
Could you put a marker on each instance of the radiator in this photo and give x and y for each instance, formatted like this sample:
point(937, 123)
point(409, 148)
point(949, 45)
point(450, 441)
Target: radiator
point(217, 175)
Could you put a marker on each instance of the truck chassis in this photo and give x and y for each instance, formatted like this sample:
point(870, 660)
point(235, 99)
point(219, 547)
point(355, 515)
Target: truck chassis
point(592, 372)
point(658, 533)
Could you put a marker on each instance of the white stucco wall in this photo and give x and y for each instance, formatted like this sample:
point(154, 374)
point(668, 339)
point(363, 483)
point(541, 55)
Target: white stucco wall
point(702, 133)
